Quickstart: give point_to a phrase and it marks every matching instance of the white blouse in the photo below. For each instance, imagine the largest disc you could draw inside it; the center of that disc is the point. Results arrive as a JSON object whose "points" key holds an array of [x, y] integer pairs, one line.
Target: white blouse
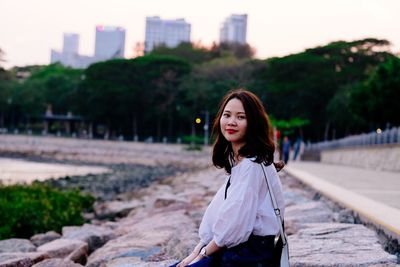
{"points": [[247, 208]]}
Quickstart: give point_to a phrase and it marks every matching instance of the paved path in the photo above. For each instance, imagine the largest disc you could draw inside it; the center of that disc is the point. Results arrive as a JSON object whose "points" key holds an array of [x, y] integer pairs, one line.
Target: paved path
{"points": [[373, 195]]}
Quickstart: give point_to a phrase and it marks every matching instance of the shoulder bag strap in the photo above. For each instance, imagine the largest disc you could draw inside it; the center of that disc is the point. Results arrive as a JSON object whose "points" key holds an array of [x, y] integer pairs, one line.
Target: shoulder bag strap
{"points": [[276, 208]]}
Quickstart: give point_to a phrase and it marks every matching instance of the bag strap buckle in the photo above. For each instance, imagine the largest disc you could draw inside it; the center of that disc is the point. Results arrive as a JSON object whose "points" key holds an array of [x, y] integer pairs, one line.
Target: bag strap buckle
{"points": [[277, 212]]}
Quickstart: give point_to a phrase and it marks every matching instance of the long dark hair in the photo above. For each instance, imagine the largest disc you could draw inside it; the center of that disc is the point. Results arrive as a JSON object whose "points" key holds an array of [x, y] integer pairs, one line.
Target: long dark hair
{"points": [[259, 133]]}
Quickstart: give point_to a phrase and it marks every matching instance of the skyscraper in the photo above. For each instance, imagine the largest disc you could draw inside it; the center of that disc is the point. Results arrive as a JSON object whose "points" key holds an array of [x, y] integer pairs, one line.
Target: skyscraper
{"points": [[71, 43], [233, 29], [69, 56], [165, 32], [110, 42]]}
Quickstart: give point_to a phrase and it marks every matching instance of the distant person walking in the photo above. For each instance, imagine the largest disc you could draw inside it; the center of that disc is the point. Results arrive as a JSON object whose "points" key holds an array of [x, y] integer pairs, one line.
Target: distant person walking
{"points": [[285, 149], [239, 226], [297, 146]]}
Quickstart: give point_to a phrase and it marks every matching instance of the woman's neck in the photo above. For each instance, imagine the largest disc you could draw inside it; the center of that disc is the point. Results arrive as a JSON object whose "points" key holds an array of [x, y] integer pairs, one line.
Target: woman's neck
{"points": [[236, 156]]}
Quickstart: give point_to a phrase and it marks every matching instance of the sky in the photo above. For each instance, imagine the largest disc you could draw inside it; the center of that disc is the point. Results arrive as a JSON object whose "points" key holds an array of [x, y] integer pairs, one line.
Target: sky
{"points": [[29, 29]]}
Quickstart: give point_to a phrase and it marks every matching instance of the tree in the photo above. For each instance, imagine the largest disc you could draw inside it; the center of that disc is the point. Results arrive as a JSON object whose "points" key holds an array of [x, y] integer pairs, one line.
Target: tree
{"points": [[139, 92], [304, 84], [375, 100], [237, 50], [185, 51]]}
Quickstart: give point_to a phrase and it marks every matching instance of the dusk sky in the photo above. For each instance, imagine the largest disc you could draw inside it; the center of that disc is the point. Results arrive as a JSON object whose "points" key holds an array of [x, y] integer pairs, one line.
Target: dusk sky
{"points": [[30, 29]]}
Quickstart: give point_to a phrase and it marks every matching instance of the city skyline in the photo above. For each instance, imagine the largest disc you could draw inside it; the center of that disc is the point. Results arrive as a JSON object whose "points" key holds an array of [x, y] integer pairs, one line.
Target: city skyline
{"points": [[273, 29]]}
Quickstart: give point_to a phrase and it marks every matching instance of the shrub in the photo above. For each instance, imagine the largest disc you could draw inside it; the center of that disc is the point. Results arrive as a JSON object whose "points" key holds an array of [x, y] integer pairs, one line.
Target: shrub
{"points": [[26, 210]]}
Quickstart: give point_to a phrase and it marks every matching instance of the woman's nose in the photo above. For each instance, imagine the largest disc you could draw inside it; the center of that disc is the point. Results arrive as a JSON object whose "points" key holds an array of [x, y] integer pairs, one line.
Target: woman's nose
{"points": [[231, 121]]}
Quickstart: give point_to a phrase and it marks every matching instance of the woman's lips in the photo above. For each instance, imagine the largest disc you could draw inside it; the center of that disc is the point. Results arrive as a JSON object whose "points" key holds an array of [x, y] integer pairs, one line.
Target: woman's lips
{"points": [[230, 131]]}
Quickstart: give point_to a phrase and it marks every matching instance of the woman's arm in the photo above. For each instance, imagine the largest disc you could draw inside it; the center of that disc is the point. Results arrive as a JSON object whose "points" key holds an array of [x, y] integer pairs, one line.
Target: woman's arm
{"points": [[210, 249]]}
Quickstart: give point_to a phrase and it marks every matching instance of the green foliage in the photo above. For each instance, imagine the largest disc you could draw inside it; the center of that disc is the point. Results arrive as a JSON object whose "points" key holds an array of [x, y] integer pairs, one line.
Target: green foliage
{"points": [[336, 88], [292, 123], [193, 139], [193, 142], [185, 51], [314, 84], [136, 94], [53, 85], [375, 101], [239, 51], [28, 210]]}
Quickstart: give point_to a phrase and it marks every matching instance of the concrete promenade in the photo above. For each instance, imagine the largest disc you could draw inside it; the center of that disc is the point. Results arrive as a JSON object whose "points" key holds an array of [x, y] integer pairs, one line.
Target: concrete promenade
{"points": [[373, 195]]}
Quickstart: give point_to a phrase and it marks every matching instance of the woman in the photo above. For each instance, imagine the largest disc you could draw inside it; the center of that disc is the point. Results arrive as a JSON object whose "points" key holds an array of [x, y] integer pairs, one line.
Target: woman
{"points": [[240, 225]]}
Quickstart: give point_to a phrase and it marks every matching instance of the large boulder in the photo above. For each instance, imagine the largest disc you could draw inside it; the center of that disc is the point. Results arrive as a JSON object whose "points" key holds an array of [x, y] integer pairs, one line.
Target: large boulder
{"points": [[95, 236], [116, 208], [20, 259], [137, 262], [41, 239], [309, 212], [16, 245], [57, 263], [337, 245], [66, 248], [143, 237]]}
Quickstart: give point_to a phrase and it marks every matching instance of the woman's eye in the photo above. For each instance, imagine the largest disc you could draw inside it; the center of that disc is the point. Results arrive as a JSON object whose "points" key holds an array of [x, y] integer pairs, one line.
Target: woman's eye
{"points": [[241, 117], [225, 115]]}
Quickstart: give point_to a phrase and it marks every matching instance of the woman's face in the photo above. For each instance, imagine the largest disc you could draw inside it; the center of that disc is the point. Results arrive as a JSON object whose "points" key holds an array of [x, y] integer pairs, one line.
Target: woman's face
{"points": [[234, 122]]}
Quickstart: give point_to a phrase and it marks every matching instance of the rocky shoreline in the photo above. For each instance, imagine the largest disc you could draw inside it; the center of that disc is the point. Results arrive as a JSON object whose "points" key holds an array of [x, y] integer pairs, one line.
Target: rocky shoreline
{"points": [[123, 179], [161, 224], [157, 225]]}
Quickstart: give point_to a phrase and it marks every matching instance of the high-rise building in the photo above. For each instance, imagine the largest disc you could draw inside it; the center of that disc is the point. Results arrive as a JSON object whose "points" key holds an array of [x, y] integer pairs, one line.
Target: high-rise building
{"points": [[233, 29], [110, 42], [165, 32], [69, 56], [71, 43]]}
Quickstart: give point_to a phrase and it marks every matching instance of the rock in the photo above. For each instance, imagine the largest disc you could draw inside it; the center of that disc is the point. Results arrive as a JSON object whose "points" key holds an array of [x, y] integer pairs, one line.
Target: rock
{"points": [[57, 263], [143, 236], [112, 209], [291, 227], [18, 261], [12, 259], [337, 245], [95, 236], [64, 248], [16, 245], [311, 212], [137, 262], [41, 239], [170, 202], [344, 216]]}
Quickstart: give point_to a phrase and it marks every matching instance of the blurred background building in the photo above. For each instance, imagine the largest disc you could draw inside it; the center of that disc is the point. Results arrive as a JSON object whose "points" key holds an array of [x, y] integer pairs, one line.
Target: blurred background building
{"points": [[233, 29], [69, 56], [165, 32], [110, 42]]}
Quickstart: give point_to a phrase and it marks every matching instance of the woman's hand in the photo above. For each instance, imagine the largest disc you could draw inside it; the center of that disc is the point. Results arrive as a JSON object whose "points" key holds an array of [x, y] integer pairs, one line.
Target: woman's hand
{"points": [[198, 257], [186, 261]]}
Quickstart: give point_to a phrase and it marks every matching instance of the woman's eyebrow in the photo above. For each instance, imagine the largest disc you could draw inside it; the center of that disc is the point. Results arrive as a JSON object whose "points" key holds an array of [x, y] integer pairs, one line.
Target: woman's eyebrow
{"points": [[239, 112]]}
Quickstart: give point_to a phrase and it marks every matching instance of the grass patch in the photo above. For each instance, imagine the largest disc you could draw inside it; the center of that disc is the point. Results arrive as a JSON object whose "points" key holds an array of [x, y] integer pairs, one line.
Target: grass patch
{"points": [[26, 210]]}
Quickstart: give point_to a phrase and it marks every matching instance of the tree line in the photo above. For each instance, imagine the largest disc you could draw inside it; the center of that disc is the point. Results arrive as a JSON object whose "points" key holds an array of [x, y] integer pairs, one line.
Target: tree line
{"points": [[322, 93]]}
